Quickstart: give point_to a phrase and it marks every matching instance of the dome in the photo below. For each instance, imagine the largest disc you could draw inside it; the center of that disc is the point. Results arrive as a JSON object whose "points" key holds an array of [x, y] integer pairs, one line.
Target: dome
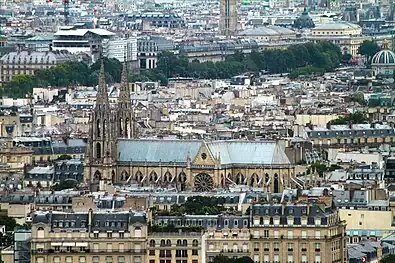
{"points": [[384, 56], [304, 21]]}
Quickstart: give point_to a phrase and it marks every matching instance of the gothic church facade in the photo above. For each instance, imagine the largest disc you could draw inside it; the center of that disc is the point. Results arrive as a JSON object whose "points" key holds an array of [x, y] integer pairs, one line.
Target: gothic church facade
{"points": [[115, 156]]}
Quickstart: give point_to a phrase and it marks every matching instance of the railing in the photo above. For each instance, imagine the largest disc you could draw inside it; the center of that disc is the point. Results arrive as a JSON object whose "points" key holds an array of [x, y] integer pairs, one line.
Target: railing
{"points": [[99, 251], [296, 238]]}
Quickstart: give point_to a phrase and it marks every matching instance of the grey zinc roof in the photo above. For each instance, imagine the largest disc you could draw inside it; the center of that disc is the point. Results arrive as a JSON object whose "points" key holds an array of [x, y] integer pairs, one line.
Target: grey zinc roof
{"points": [[267, 31], [157, 150], [337, 25], [246, 152], [177, 151]]}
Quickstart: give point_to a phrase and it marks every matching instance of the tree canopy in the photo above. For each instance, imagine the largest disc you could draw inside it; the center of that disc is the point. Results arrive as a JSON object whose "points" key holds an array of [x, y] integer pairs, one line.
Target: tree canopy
{"points": [[355, 118], [324, 56], [368, 49], [66, 184], [225, 259], [390, 258], [302, 59], [67, 74]]}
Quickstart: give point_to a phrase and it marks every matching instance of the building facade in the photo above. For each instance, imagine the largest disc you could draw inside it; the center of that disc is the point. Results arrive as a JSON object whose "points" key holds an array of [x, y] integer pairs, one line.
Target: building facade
{"points": [[347, 36], [89, 237], [26, 63], [113, 156]]}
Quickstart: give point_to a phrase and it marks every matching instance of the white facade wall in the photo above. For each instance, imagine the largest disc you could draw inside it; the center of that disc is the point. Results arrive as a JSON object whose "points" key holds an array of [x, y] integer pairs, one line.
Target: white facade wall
{"points": [[116, 48]]}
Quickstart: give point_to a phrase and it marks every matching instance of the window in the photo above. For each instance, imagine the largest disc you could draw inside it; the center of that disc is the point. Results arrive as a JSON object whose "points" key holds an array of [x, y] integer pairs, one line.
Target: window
{"points": [[108, 259], [152, 252], [290, 246], [121, 259], [69, 259], [317, 234], [195, 243], [194, 252], [121, 247], [109, 234], [317, 246], [265, 233], [82, 260], [121, 235], [95, 247], [304, 234], [290, 234], [96, 235]]}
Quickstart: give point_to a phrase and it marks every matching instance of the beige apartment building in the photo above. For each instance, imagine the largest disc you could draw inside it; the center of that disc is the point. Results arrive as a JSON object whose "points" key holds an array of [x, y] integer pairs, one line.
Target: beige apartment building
{"points": [[268, 233], [346, 35], [88, 237]]}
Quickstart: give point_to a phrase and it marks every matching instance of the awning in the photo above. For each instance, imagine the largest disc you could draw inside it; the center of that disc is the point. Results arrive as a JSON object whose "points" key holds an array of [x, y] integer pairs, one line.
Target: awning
{"points": [[81, 244], [54, 244], [68, 244]]}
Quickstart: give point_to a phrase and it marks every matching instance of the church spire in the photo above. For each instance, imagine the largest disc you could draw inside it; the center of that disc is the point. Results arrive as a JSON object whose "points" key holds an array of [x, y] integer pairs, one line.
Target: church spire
{"points": [[124, 93], [102, 95]]}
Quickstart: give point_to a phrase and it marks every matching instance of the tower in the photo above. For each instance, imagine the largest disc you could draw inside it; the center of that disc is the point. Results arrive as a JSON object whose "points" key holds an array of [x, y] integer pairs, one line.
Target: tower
{"points": [[228, 18], [101, 150], [125, 113]]}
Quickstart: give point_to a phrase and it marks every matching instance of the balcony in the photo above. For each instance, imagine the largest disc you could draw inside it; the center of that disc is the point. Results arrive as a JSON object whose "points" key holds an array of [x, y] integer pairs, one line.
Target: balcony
{"points": [[100, 251]]}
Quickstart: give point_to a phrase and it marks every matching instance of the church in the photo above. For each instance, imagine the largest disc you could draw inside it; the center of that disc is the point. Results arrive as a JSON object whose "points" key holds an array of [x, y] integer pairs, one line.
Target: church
{"points": [[114, 155]]}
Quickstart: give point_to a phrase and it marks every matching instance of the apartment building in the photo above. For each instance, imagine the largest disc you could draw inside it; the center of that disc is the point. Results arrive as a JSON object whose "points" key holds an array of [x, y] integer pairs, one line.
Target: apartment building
{"points": [[26, 62], [349, 136], [297, 233], [266, 233], [89, 237]]}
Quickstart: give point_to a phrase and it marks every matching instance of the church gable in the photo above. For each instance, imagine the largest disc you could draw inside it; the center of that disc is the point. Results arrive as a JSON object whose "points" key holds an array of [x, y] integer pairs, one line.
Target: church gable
{"points": [[204, 156]]}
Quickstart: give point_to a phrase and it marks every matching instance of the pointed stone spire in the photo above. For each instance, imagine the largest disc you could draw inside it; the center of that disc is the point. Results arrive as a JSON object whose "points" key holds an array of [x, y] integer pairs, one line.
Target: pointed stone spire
{"points": [[102, 95], [124, 93]]}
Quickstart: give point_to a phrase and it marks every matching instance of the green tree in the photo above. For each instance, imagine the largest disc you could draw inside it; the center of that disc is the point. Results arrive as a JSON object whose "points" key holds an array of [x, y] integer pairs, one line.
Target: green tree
{"points": [[225, 259], [65, 184], [355, 118], [64, 157], [368, 49], [390, 258], [346, 57], [8, 222]]}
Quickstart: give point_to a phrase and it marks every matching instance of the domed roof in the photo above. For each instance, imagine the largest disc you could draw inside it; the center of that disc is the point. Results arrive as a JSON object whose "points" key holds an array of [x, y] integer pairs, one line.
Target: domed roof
{"points": [[384, 56], [304, 21]]}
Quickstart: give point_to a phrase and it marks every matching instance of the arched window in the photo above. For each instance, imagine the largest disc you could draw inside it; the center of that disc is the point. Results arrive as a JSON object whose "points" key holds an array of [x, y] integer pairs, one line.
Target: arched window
{"points": [[98, 128], [98, 150], [121, 126], [167, 177], [168, 243], [152, 243], [195, 243], [162, 243], [276, 187], [104, 128], [127, 130], [179, 243], [137, 232], [185, 243], [40, 232]]}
